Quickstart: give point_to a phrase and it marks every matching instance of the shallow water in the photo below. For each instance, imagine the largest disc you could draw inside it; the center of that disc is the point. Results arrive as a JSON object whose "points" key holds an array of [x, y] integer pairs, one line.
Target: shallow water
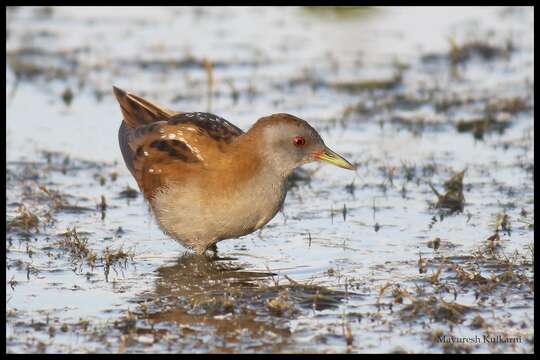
{"points": [[410, 95]]}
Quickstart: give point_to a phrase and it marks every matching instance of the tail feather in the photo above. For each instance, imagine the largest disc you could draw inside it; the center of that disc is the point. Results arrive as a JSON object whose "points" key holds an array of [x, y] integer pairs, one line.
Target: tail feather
{"points": [[138, 111]]}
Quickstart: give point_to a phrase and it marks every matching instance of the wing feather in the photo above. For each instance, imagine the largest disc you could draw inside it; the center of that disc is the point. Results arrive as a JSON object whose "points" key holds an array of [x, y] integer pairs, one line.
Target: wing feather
{"points": [[170, 150]]}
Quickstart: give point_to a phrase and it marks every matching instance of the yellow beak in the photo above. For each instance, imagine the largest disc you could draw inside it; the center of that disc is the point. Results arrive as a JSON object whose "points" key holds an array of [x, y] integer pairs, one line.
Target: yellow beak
{"points": [[333, 158]]}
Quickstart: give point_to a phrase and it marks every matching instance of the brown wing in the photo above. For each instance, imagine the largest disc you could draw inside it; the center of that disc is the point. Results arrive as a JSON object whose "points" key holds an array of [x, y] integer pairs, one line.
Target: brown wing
{"points": [[161, 145], [215, 127], [182, 146], [137, 112]]}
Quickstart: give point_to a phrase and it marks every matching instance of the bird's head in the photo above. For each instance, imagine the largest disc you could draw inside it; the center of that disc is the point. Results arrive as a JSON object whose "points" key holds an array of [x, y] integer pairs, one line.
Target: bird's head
{"points": [[287, 142]]}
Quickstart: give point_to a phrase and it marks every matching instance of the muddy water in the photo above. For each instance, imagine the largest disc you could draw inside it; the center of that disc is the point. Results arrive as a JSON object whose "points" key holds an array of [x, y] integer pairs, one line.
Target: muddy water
{"points": [[372, 261]]}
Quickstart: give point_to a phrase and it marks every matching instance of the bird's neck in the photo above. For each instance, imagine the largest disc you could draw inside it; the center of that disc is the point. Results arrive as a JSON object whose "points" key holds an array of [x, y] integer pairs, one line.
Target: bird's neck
{"points": [[254, 147]]}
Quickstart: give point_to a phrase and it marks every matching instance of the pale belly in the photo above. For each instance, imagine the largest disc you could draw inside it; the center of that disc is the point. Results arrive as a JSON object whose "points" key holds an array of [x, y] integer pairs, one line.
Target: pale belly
{"points": [[182, 214]]}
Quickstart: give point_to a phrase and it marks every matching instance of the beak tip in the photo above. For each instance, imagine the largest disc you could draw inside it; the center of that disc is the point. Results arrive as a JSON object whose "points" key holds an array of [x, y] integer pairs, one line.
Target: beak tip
{"points": [[349, 166]]}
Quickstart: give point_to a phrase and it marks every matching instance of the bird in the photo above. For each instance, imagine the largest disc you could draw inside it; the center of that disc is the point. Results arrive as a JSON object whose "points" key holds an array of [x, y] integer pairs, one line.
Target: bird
{"points": [[205, 179]]}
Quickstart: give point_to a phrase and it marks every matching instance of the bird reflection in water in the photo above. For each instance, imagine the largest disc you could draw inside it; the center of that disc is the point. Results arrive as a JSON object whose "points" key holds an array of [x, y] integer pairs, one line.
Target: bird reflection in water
{"points": [[220, 298]]}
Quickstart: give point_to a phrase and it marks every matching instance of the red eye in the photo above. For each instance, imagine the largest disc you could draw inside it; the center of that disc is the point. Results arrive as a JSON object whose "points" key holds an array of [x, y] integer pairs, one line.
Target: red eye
{"points": [[299, 141]]}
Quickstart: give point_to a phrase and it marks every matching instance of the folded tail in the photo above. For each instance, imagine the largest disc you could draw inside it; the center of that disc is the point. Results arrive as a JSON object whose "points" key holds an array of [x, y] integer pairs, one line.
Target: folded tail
{"points": [[138, 111]]}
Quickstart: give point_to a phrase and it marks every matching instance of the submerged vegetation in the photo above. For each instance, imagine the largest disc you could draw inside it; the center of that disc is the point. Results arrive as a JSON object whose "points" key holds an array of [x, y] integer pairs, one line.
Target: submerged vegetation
{"points": [[453, 200]]}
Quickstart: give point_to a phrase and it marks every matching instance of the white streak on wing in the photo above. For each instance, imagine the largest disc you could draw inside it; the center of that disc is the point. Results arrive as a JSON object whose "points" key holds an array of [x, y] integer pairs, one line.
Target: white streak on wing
{"points": [[193, 149]]}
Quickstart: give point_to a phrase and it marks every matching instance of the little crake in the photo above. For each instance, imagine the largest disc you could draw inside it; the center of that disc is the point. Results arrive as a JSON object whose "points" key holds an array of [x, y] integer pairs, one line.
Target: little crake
{"points": [[204, 178]]}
